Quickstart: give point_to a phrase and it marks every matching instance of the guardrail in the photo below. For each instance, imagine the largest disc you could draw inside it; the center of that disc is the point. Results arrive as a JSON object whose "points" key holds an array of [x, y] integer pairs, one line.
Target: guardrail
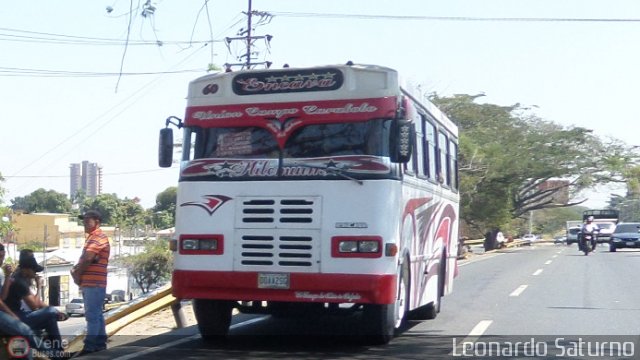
{"points": [[464, 250], [473, 242], [515, 242]]}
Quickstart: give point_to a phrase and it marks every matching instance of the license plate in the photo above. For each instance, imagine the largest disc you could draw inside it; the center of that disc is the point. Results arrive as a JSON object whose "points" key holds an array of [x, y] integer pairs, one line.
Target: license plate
{"points": [[273, 281], [630, 243]]}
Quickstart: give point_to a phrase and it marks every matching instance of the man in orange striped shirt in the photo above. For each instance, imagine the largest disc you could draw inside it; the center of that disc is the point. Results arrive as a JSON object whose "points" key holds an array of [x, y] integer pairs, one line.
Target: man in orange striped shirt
{"points": [[90, 273]]}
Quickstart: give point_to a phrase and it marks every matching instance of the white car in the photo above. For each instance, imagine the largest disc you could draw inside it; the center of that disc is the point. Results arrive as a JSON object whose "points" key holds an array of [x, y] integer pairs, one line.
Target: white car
{"points": [[530, 237], [75, 307], [605, 230]]}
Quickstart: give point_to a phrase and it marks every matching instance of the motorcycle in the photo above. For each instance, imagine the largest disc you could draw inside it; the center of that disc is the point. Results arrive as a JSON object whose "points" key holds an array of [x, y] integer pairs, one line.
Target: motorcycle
{"points": [[588, 242]]}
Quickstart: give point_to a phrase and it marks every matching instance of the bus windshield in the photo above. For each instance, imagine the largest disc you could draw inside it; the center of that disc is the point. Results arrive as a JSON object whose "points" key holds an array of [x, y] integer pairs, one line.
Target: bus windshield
{"points": [[314, 140]]}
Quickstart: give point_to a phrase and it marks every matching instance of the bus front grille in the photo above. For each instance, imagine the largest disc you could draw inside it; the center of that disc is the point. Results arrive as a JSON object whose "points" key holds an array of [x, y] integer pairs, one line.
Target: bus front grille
{"points": [[278, 212], [271, 251]]}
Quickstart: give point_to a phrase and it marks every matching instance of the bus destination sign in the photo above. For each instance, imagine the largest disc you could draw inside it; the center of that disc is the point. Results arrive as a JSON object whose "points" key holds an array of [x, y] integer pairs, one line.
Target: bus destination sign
{"points": [[287, 81]]}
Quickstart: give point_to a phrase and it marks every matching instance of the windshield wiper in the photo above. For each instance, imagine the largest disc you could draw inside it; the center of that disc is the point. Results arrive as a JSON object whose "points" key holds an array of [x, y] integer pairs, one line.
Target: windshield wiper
{"points": [[333, 170]]}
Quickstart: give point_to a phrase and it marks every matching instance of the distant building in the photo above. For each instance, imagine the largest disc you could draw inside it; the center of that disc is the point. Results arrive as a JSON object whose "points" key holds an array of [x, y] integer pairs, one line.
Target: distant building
{"points": [[55, 230], [87, 177]]}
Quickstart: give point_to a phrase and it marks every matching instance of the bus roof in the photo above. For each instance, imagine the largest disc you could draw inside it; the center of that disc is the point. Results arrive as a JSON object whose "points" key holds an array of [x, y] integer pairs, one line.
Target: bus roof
{"points": [[301, 85]]}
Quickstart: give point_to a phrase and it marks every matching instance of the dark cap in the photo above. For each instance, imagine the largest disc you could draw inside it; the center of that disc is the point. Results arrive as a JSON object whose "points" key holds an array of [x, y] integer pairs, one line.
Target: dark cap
{"points": [[91, 214], [28, 261]]}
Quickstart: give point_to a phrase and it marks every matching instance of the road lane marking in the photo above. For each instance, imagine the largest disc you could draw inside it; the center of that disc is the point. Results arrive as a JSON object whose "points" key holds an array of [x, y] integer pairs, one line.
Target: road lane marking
{"points": [[480, 328], [184, 340], [555, 256], [519, 290], [548, 262], [537, 272], [472, 337], [477, 258]]}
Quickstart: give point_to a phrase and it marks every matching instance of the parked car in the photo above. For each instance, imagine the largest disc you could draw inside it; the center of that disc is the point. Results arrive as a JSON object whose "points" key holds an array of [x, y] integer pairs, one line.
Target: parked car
{"points": [[118, 296], [530, 237], [75, 307], [560, 239], [626, 235]]}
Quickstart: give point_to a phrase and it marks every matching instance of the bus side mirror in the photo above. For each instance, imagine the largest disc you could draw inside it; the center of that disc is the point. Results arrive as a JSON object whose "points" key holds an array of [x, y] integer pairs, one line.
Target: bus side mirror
{"points": [[165, 148], [401, 141]]}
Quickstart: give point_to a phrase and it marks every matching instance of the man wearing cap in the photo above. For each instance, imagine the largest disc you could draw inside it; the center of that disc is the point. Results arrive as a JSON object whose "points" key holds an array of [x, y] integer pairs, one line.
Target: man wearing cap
{"points": [[90, 273]]}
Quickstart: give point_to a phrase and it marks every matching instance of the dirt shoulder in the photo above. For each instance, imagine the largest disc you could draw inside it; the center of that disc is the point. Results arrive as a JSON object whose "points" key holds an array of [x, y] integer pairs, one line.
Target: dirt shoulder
{"points": [[158, 323]]}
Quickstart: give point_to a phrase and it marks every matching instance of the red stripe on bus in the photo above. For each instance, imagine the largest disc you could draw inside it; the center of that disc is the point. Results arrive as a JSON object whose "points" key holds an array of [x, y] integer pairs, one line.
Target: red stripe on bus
{"points": [[243, 286]]}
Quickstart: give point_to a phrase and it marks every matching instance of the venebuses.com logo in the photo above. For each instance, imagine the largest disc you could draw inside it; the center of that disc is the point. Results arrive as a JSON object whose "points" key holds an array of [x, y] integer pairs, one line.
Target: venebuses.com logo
{"points": [[18, 347]]}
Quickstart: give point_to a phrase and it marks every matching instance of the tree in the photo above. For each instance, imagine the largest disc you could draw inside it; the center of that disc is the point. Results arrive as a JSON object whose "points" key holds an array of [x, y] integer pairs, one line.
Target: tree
{"points": [[629, 204], [166, 200], [506, 155], [6, 227], [42, 200], [79, 197], [151, 267], [163, 214], [159, 219], [107, 204], [127, 214], [132, 214]]}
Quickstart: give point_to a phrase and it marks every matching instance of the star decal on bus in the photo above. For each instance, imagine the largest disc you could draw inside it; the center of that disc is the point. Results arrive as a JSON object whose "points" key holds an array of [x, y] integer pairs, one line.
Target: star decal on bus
{"points": [[210, 203], [335, 165]]}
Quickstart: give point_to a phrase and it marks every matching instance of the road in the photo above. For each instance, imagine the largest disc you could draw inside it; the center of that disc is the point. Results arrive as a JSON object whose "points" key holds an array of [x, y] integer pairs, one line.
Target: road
{"points": [[72, 326], [549, 295]]}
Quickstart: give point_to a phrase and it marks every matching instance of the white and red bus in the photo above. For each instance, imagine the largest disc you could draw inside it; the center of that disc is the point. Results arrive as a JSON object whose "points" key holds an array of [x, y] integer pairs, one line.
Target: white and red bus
{"points": [[324, 188]]}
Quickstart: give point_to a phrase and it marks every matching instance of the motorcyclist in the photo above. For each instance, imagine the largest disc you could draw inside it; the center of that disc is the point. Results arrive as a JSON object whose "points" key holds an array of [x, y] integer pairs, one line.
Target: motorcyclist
{"points": [[588, 228]]}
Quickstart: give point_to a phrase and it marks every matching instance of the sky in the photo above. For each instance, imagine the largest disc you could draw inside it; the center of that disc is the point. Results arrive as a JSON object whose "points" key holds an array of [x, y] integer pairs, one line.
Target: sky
{"points": [[62, 100]]}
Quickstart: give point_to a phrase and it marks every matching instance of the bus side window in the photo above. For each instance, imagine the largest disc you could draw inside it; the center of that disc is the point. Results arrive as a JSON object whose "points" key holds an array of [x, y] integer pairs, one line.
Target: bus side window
{"points": [[430, 150], [453, 154], [444, 173], [411, 167]]}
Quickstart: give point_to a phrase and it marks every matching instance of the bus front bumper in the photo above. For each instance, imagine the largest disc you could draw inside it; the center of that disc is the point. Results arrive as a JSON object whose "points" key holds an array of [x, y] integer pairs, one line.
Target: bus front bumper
{"points": [[300, 287]]}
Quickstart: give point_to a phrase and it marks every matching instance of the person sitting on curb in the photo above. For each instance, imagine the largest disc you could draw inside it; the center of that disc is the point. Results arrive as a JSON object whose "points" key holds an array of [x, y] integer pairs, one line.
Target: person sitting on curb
{"points": [[17, 289], [10, 324]]}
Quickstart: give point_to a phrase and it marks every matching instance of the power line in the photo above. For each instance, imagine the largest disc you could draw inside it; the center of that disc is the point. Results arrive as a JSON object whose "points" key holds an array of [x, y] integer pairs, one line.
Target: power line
{"points": [[11, 71], [452, 18], [130, 101], [83, 40], [126, 44], [104, 174]]}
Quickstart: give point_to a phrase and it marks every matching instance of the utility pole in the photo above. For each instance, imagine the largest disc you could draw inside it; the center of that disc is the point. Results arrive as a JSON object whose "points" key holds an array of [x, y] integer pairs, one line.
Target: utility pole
{"points": [[44, 262], [247, 36], [249, 42]]}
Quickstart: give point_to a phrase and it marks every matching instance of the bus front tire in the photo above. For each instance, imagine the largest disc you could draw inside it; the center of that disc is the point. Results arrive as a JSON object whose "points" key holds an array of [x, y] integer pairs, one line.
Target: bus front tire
{"points": [[380, 321], [214, 318]]}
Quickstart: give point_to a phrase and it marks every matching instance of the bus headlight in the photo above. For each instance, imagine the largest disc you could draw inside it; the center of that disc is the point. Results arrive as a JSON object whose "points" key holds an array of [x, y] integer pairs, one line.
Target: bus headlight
{"points": [[349, 246], [368, 246], [201, 244], [190, 244], [362, 246], [209, 244]]}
